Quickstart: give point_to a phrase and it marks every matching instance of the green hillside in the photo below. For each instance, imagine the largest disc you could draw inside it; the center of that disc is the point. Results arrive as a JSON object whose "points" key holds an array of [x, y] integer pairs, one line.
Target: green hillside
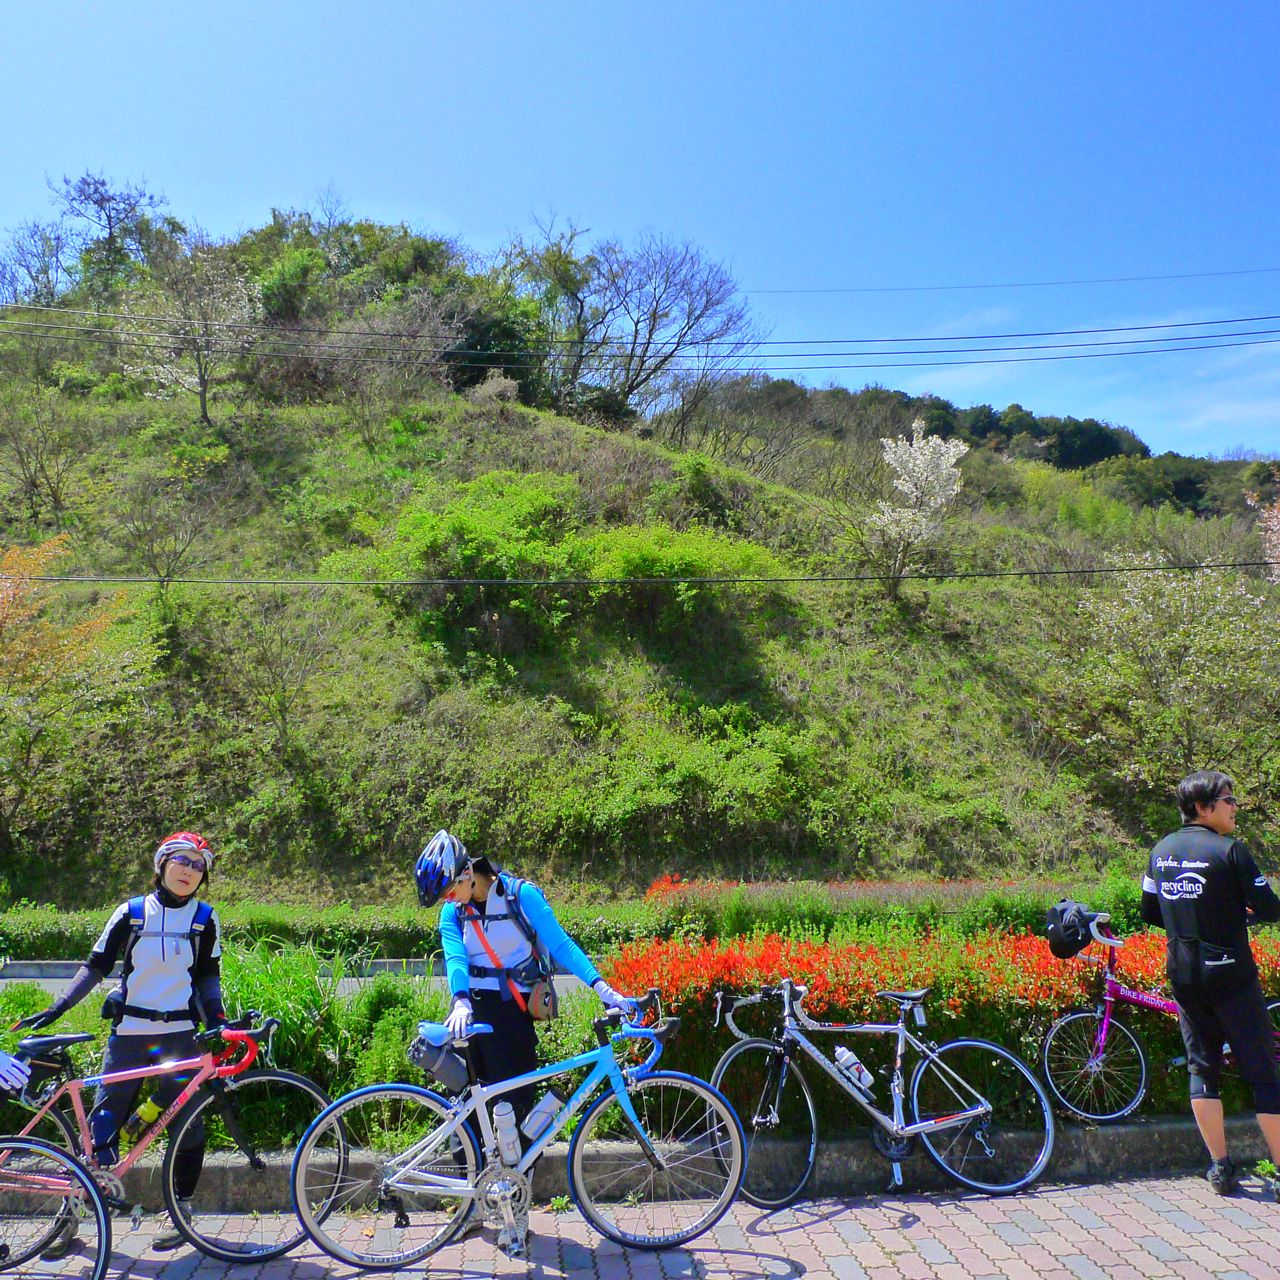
{"points": [[601, 732], [331, 403]]}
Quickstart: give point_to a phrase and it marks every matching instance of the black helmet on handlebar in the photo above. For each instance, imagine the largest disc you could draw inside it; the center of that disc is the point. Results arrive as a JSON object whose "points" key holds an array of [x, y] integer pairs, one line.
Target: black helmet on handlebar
{"points": [[1068, 929]]}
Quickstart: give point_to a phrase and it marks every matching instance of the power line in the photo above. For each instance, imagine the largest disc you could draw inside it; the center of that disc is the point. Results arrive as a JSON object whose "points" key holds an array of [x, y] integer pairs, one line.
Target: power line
{"points": [[156, 343], [776, 580], [265, 327], [33, 328], [1025, 284]]}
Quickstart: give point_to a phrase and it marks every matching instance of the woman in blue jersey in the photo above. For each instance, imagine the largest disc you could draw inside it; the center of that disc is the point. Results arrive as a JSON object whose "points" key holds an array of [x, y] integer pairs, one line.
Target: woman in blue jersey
{"points": [[169, 943], [490, 960]]}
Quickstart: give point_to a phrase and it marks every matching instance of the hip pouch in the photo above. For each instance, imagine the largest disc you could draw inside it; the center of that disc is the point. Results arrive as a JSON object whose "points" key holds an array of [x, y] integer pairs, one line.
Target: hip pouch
{"points": [[1205, 965], [542, 1001]]}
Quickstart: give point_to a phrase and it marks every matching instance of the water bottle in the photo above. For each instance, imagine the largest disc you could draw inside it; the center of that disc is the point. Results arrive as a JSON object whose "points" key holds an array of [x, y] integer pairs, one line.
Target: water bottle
{"points": [[853, 1070], [540, 1116], [145, 1116], [504, 1121]]}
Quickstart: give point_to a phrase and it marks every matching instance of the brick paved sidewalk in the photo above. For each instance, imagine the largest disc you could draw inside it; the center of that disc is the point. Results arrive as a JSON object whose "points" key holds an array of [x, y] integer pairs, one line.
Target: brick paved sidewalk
{"points": [[1124, 1231]]}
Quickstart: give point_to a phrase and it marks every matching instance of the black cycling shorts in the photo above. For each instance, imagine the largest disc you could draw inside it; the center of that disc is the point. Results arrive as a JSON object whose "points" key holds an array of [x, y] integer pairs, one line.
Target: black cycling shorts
{"points": [[1238, 1018]]}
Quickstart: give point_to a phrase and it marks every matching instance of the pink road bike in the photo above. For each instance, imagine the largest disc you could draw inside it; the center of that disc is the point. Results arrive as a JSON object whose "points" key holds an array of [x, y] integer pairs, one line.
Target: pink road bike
{"points": [[1093, 1064], [252, 1121]]}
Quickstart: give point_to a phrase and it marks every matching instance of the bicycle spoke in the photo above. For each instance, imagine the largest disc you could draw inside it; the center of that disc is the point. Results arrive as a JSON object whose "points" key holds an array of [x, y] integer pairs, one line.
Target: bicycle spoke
{"points": [[1099, 1084], [352, 1178], [697, 1143], [778, 1117], [235, 1202], [999, 1151], [49, 1204]]}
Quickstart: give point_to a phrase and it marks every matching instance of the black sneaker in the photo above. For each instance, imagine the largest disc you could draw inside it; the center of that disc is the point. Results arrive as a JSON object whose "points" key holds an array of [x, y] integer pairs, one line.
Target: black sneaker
{"points": [[1223, 1177]]}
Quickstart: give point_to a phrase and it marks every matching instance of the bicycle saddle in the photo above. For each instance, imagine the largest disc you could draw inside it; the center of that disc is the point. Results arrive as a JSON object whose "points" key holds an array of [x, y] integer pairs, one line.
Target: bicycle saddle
{"points": [[905, 997], [438, 1035], [33, 1045]]}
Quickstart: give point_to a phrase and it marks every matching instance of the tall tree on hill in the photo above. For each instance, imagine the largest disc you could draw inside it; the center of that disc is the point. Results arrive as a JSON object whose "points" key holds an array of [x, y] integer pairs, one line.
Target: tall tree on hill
{"points": [[124, 231], [631, 329]]}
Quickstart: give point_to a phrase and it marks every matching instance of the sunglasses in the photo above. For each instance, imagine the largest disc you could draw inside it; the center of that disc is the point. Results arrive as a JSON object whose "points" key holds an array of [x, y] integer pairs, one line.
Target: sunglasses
{"points": [[196, 864], [1231, 800]]}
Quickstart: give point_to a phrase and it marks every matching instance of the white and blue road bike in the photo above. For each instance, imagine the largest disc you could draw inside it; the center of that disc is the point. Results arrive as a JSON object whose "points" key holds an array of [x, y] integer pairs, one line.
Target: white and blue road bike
{"points": [[388, 1174]]}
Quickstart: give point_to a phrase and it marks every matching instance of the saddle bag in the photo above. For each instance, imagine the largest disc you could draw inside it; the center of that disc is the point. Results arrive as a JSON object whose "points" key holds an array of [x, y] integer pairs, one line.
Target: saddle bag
{"points": [[442, 1064]]}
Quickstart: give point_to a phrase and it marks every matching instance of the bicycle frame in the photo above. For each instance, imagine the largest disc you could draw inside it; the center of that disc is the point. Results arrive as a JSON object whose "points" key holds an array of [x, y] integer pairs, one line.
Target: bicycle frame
{"points": [[794, 1018], [207, 1066], [604, 1068], [1115, 992]]}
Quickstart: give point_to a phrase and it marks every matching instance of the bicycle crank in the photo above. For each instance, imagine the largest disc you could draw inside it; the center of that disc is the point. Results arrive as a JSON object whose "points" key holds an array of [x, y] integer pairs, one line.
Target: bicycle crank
{"points": [[504, 1196]]}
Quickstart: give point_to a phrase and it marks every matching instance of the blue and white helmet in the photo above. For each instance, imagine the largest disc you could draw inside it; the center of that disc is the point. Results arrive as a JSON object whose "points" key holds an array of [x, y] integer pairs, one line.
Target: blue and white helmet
{"points": [[439, 866]]}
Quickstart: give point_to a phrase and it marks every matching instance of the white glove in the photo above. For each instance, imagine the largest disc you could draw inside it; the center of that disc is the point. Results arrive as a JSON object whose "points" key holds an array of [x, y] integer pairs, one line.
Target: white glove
{"points": [[612, 999], [459, 1019], [13, 1073]]}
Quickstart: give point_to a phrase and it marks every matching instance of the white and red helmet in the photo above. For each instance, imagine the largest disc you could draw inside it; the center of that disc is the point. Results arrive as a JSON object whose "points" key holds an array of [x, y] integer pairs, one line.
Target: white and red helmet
{"points": [[184, 842]]}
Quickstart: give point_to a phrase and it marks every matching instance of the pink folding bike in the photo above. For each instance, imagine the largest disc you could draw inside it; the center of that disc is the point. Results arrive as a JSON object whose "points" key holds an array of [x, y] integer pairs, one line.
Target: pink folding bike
{"points": [[252, 1120], [1093, 1064]]}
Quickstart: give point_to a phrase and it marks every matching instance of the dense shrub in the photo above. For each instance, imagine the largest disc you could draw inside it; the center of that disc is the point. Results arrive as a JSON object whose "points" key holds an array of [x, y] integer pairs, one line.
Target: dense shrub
{"points": [[672, 908], [1004, 986]]}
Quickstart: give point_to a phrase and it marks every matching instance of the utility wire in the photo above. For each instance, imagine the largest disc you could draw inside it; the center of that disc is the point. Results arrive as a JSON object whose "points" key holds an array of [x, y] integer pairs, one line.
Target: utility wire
{"points": [[278, 339], [1027, 284], [96, 579], [157, 344], [265, 327]]}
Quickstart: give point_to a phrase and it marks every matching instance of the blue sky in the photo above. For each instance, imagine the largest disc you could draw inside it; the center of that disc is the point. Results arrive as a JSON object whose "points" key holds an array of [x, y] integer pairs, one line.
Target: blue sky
{"points": [[808, 146]]}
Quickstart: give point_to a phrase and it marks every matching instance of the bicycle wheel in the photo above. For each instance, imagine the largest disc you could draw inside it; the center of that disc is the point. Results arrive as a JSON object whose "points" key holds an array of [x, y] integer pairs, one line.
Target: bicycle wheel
{"points": [[360, 1177], [239, 1209], [697, 1150], [1002, 1151], [1102, 1086], [40, 1185], [779, 1120]]}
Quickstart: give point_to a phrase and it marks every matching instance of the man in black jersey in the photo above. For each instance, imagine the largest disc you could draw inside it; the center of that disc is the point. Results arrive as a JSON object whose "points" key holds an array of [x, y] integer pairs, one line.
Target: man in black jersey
{"points": [[1204, 889]]}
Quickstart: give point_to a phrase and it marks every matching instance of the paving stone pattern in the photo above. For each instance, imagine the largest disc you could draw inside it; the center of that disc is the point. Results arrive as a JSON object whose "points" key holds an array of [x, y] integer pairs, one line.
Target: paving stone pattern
{"points": [[1122, 1231]]}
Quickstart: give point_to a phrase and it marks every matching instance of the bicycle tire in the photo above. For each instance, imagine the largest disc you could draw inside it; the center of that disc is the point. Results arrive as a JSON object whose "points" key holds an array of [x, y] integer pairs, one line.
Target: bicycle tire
{"points": [[1015, 1139], [691, 1126], [776, 1110], [345, 1157], [241, 1209], [1103, 1088], [31, 1171]]}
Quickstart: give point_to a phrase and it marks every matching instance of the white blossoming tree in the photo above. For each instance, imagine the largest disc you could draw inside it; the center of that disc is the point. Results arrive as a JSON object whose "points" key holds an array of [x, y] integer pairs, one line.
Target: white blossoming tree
{"points": [[1269, 528], [1182, 672], [192, 320], [897, 533]]}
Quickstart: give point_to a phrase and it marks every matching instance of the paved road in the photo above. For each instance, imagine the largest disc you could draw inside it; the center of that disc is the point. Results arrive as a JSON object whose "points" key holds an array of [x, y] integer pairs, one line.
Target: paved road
{"points": [[565, 984], [1125, 1231]]}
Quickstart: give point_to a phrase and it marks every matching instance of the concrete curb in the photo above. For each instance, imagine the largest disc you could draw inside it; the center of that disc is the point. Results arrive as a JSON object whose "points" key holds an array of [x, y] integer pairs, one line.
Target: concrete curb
{"points": [[845, 1168]]}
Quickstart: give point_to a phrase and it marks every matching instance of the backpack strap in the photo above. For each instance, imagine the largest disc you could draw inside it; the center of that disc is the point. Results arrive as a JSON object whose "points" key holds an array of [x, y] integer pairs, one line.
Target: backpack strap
{"points": [[521, 1004], [137, 918]]}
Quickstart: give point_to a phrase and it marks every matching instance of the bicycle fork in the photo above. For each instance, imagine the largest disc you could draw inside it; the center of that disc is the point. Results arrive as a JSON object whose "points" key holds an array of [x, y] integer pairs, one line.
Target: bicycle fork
{"points": [[651, 1153]]}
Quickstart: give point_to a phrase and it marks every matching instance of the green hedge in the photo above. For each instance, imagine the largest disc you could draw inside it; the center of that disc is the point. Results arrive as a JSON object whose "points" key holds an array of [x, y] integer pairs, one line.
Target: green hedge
{"points": [[804, 909]]}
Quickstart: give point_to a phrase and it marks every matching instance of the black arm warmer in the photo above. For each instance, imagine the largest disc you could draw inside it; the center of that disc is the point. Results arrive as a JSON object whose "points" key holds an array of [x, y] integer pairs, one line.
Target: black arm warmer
{"points": [[85, 980]]}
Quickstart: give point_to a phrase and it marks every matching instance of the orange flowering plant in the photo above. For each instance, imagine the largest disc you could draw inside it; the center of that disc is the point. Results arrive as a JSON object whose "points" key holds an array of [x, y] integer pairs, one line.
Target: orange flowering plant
{"points": [[1002, 985]]}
